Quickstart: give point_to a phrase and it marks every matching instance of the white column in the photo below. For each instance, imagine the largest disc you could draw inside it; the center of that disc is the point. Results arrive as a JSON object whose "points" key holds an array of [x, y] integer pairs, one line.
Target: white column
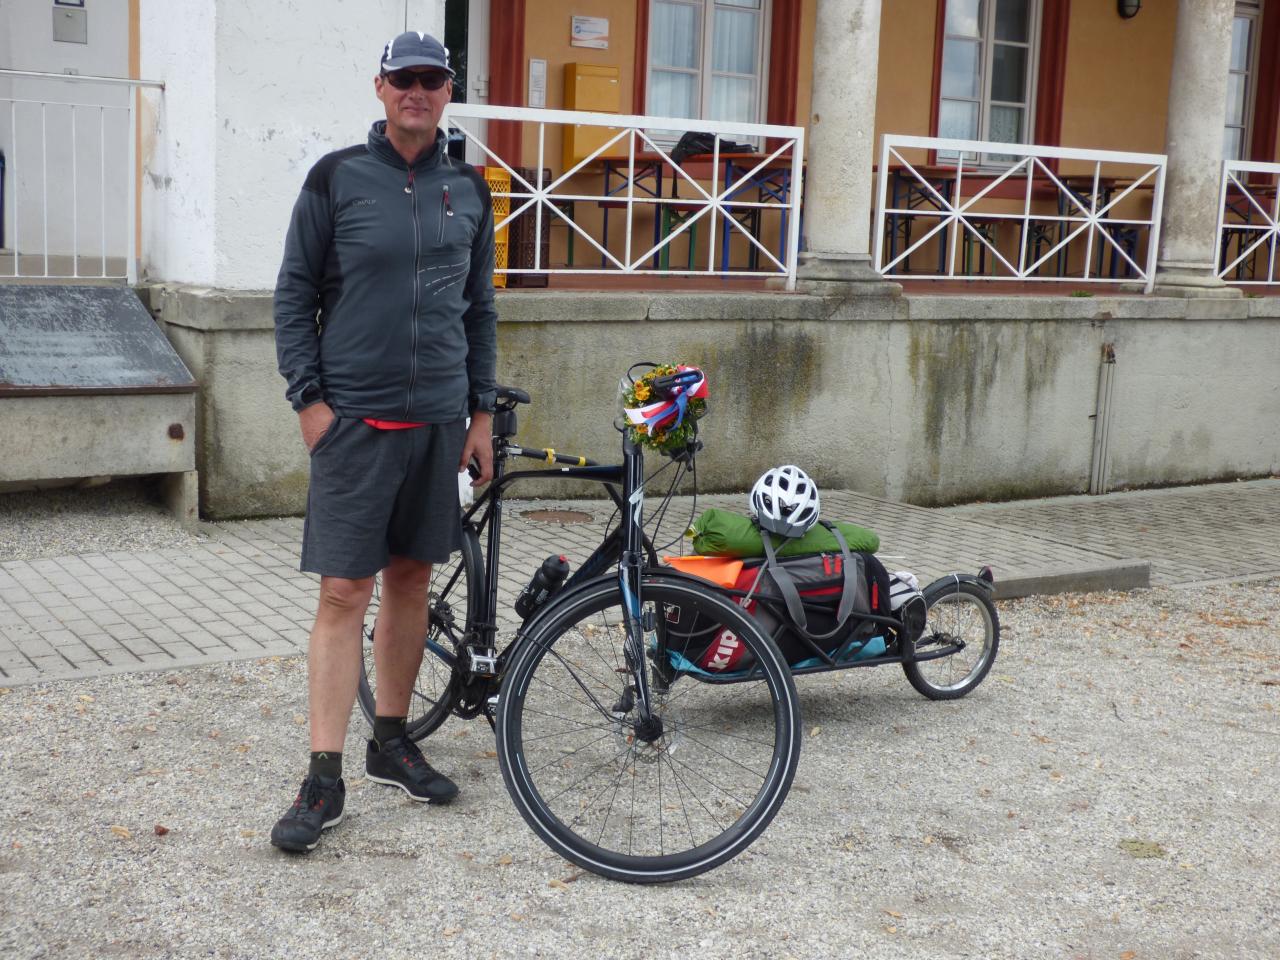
{"points": [[255, 93], [838, 179], [1193, 141]]}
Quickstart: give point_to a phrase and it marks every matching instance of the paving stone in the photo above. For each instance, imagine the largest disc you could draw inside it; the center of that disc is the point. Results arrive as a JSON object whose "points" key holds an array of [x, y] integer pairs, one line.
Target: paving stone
{"points": [[240, 593]]}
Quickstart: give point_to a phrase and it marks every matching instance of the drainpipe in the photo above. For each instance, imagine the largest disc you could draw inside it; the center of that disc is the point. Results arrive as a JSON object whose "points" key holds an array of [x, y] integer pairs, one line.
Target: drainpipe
{"points": [[1102, 421]]}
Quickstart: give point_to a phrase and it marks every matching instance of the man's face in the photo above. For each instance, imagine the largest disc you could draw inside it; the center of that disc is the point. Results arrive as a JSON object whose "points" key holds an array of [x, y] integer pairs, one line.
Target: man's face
{"points": [[414, 111]]}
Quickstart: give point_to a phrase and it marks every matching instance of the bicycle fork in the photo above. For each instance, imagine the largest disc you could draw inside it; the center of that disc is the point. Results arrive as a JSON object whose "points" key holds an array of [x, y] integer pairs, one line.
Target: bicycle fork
{"points": [[648, 726]]}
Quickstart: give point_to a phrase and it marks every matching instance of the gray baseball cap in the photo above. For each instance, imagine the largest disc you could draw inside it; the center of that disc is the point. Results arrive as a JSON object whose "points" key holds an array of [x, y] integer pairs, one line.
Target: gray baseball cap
{"points": [[415, 49]]}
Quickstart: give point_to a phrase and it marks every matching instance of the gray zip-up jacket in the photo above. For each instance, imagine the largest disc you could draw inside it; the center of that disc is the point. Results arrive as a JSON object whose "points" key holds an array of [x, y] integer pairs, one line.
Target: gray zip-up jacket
{"points": [[384, 303]]}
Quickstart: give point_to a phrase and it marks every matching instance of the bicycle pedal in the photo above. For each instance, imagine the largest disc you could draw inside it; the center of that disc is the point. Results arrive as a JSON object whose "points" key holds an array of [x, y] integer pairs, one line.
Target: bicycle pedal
{"points": [[484, 664]]}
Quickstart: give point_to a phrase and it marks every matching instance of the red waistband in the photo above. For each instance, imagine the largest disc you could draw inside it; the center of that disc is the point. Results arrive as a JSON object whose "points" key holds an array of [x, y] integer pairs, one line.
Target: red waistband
{"points": [[391, 424]]}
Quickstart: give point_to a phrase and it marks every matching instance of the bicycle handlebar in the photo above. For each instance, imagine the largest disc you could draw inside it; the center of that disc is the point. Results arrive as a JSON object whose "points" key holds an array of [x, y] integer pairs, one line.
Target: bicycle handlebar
{"points": [[548, 455], [663, 386]]}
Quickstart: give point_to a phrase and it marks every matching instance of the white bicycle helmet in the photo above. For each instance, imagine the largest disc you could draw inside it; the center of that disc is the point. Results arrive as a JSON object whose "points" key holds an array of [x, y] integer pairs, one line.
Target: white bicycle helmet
{"points": [[785, 501]]}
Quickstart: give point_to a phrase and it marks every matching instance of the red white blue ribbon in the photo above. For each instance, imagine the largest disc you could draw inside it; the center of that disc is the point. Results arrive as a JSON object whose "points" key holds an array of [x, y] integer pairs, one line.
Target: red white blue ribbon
{"points": [[654, 415]]}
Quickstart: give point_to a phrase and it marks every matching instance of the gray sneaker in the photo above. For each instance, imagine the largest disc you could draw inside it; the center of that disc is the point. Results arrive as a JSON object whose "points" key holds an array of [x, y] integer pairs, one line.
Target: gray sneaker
{"points": [[400, 763], [317, 807]]}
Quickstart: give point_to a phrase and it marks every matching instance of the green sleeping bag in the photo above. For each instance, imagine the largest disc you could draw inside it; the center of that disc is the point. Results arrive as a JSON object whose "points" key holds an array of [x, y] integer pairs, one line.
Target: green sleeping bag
{"points": [[721, 533]]}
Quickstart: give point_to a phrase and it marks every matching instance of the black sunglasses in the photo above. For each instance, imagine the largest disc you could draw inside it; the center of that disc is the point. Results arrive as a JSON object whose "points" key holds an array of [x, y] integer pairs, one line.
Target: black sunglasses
{"points": [[430, 79]]}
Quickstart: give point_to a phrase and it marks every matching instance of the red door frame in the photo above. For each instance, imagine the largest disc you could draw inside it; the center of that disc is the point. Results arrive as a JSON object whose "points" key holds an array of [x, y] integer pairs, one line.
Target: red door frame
{"points": [[1266, 102], [506, 75]]}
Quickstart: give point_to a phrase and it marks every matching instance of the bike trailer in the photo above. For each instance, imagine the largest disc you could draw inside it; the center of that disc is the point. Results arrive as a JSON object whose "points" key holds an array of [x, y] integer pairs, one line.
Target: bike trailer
{"points": [[816, 608]]}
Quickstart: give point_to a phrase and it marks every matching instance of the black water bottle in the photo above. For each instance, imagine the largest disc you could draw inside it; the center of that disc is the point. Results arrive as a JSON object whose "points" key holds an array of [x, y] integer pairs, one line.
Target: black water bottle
{"points": [[544, 583]]}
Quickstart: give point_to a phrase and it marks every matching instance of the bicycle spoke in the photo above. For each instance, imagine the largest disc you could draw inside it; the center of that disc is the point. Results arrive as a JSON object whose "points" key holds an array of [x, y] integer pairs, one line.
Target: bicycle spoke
{"points": [[563, 757], [693, 793], [724, 756], [700, 776], [601, 766], [617, 784]]}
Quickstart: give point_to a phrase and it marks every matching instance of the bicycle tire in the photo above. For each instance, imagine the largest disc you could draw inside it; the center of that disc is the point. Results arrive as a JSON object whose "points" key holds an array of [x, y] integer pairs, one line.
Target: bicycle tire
{"points": [[576, 647], [957, 611], [455, 586]]}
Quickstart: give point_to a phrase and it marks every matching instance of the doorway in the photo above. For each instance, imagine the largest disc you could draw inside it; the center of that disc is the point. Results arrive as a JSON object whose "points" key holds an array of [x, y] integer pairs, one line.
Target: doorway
{"points": [[466, 35]]}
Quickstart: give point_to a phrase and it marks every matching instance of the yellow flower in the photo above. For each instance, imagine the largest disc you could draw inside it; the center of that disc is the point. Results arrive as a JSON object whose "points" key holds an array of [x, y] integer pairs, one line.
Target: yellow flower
{"points": [[642, 428], [643, 392]]}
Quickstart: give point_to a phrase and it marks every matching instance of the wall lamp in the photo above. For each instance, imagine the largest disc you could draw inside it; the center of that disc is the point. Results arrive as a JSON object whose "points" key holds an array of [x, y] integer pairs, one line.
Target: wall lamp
{"points": [[1128, 9]]}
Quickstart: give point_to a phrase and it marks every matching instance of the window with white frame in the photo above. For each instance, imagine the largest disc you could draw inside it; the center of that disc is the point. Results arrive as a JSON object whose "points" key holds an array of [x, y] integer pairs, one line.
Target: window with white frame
{"points": [[988, 71], [1240, 80], [707, 59]]}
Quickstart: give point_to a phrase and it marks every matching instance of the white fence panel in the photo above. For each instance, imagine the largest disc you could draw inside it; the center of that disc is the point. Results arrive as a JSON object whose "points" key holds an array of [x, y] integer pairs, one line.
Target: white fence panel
{"points": [[1248, 222], [70, 176], [928, 212], [750, 200]]}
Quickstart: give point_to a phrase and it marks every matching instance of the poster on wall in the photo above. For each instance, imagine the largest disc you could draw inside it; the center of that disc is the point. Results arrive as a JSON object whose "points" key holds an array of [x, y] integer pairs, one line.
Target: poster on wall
{"points": [[590, 32]]}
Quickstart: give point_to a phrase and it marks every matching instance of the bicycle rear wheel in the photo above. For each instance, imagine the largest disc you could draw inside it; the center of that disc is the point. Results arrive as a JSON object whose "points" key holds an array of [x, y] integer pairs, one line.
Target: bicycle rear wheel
{"points": [[453, 603], [635, 803]]}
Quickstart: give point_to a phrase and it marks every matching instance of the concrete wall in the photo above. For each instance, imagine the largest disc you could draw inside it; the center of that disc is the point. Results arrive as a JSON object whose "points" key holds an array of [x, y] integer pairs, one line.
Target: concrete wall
{"points": [[51, 438], [928, 399], [255, 94], [40, 165]]}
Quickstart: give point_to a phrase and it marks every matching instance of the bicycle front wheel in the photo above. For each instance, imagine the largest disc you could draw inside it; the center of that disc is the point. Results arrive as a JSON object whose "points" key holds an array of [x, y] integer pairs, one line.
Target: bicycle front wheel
{"points": [[644, 803], [453, 602]]}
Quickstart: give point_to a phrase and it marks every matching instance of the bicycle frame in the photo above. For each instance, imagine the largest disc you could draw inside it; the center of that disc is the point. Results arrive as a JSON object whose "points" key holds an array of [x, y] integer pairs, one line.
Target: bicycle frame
{"points": [[625, 485]]}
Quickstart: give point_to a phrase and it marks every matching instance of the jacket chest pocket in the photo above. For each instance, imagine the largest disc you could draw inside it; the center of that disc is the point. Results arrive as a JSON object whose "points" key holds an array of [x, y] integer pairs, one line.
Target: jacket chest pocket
{"points": [[449, 227]]}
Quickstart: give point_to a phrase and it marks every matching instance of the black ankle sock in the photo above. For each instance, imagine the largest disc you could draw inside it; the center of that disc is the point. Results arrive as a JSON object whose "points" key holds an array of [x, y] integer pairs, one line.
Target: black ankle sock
{"points": [[325, 763], [388, 728]]}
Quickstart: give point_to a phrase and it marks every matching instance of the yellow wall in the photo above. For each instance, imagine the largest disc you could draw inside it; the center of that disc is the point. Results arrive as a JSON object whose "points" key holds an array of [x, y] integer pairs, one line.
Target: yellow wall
{"points": [[546, 37], [1116, 84], [1117, 81], [906, 68]]}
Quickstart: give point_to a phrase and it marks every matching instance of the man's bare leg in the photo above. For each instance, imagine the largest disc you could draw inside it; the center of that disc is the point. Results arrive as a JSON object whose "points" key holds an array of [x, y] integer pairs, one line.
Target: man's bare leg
{"points": [[333, 658], [398, 642], [400, 633]]}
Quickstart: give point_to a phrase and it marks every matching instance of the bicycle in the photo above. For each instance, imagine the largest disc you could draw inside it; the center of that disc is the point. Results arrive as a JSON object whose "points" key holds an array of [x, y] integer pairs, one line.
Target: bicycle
{"points": [[621, 765]]}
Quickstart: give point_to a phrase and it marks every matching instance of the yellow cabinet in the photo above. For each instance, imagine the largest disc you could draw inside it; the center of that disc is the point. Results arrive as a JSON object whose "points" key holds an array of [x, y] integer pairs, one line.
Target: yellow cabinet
{"points": [[593, 88]]}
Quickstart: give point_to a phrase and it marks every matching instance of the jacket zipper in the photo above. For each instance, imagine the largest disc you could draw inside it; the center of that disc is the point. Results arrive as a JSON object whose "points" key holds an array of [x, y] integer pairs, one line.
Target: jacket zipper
{"points": [[445, 211], [413, 317]]}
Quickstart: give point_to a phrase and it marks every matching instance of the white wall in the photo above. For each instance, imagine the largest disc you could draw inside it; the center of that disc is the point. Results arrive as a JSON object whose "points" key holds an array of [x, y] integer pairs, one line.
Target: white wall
{"points": [[255, 94], [40, 166]]}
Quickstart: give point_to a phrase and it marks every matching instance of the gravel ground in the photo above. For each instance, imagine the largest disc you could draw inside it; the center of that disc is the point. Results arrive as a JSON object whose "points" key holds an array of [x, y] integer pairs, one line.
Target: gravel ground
{"points": [[1111, 791], [121, 515]]}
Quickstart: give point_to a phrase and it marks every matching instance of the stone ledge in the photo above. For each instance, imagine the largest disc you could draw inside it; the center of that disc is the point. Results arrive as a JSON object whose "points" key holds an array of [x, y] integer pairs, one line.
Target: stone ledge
{"points": [[1117, 575], [204, 308]]}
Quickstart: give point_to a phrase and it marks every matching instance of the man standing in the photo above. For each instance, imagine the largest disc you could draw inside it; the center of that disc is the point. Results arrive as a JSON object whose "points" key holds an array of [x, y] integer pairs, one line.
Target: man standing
{"points": [[386, 333]]}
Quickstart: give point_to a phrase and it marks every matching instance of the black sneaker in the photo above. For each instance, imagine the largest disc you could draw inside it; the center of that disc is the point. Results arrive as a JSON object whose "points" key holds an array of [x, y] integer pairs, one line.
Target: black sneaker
{"points": [[317, 808], [400, 763]]}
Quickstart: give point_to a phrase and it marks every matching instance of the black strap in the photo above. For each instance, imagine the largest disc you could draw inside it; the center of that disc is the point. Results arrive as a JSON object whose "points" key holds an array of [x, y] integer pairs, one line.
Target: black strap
{"points": [[791, 594], [849, 594], [786, 584]]}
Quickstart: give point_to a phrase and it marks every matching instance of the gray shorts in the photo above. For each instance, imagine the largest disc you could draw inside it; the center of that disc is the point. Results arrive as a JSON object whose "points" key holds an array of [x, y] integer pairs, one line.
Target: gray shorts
{"points": [[375, 494]]}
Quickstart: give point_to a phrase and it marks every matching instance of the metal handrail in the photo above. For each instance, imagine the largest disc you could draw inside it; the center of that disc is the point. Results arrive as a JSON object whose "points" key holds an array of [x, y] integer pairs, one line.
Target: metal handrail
{"points": [[125, 81]]}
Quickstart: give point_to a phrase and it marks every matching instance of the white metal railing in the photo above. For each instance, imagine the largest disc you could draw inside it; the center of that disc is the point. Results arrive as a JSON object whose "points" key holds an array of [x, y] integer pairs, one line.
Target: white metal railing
{"points": [[768, 181], [1248, 222], [51, 148], [1085, 208]]}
